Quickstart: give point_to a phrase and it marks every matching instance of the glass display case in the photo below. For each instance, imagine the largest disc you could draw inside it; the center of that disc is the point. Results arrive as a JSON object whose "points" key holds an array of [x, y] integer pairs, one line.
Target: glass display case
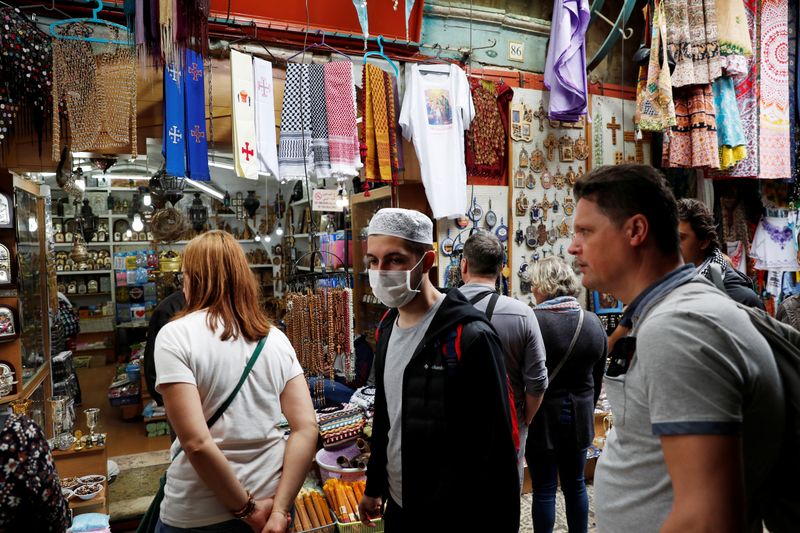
{"points": [[32, 284]]}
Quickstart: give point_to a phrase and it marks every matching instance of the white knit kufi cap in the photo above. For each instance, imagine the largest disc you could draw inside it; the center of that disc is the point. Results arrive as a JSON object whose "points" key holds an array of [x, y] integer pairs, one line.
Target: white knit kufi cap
{"points": [[403, 223]]}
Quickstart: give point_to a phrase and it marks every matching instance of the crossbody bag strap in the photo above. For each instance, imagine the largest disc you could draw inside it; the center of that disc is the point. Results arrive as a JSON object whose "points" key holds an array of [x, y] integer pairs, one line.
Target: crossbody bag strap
{"points": [[250, 363], [555, 371]]}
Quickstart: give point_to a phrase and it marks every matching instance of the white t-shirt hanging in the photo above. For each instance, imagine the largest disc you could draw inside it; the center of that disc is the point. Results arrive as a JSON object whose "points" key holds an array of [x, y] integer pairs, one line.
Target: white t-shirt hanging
{"points": [[437, 109]]}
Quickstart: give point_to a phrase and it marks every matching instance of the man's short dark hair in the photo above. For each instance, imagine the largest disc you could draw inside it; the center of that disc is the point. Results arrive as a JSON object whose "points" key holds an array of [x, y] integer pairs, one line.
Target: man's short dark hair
{"points": [[484, 254], [622, 191], [697, 215], [417, 248]]}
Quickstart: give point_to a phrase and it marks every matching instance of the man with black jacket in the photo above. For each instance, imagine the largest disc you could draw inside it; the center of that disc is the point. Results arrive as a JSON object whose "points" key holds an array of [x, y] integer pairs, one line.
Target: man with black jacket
{"points": [[163, 313], [443, 440]]}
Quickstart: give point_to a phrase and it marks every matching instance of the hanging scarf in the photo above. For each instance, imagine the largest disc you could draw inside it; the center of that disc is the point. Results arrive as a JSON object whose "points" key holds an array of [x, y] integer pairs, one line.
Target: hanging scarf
{"points": [[379, 156], [774, 90], [294, 152], [391, 117], [319, 122], [244, 120], [561, 304], [174, 147], [715, 258], [340, 105], [196, 140], [265, 117]]}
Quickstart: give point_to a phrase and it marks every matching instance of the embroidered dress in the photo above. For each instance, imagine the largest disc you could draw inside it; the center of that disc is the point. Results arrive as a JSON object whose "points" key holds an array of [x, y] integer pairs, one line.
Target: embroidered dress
{"points": [[735, 45], [693, 141], [485, 146], [692, 39], [774, 246], [730, 132]]}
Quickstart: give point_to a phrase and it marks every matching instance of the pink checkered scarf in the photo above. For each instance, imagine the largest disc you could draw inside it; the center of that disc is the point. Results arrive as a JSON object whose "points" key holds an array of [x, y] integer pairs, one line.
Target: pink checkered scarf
{"points": [[340, 102]]}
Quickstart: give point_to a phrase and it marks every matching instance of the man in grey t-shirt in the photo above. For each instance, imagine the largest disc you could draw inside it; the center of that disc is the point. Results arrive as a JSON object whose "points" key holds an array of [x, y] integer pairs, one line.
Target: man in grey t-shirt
{"points": [[695, 391], [515, 324]]}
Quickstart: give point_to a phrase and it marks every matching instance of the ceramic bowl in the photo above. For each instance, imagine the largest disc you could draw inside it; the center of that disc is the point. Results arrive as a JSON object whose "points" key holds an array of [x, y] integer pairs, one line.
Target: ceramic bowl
{"points": [[87, 492], [70, 482], [67, 493], [92, 479]]}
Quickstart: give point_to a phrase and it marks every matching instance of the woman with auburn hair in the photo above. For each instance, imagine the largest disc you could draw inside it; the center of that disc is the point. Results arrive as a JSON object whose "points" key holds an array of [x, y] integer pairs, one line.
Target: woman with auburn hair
{"points": [[236, 472]]}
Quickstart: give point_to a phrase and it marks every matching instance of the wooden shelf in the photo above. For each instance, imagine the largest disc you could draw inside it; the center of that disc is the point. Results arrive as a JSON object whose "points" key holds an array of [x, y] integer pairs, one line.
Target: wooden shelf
{"points": [[161, 418], [261, 266], [68, 245], [88, 295], [82, 272], [98, 501]]}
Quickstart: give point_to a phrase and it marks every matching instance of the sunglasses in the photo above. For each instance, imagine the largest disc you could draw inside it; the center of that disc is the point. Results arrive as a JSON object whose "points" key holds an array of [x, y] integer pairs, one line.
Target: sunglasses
{"points": [[621, 356]]}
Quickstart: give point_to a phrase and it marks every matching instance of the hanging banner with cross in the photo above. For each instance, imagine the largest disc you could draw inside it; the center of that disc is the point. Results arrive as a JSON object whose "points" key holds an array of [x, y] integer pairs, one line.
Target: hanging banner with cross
{"points": [[245, 157], [265, 117], [174, 149], [185, 146], [196, 139]]}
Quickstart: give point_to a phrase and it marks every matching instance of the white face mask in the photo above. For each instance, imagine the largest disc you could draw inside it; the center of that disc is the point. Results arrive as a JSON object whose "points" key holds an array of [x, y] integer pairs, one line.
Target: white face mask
{"points": [[393, 287]]}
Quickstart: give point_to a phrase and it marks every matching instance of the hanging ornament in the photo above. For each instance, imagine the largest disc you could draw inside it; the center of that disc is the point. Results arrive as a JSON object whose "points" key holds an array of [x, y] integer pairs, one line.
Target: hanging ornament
{"points": [[361, 10], [491, 217], [447, 245], [502, 232]]}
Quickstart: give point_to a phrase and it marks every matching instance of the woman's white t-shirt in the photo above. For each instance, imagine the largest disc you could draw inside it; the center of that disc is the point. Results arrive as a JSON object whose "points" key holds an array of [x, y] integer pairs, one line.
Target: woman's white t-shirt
{"points": [[187, 351]]}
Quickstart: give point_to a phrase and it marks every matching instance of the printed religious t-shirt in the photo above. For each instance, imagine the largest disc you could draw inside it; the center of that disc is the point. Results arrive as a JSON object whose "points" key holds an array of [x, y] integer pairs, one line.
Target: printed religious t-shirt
{"points": [[437, 109]]}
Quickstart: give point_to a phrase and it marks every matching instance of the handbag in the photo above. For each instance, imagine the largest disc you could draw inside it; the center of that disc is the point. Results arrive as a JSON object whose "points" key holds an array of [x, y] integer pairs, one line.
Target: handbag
{"points": [[552, 375], [151, 516]]}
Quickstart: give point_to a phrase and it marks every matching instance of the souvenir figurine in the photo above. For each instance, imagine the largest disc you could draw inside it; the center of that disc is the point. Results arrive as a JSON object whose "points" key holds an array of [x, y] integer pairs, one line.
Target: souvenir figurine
{"points": [[547, 180], [580, 149], [537, 162], [519, 179], [569, 206], [550, 144], [8, 323], [522, 204], [524, 159], [530, 183], [566, 149], [570, 176], [558, 179]]}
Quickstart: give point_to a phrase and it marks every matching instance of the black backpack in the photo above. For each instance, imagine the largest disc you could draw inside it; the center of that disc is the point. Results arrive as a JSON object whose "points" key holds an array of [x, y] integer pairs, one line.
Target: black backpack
{"points": [[779, 496]]}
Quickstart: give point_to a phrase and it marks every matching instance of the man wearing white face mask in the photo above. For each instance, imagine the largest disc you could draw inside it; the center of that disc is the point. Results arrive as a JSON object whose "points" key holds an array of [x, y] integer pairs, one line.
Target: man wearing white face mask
{"points": [[443, 436]]}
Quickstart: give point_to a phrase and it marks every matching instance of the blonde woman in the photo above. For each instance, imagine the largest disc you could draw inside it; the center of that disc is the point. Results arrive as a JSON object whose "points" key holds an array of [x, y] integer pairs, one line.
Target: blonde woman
{"points": [[563, 428], [239, 474]]}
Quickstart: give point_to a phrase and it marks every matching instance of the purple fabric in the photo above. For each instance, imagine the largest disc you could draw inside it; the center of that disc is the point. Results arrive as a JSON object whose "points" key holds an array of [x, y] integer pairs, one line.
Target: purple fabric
{"points": [[139, 21], [565, 67]]}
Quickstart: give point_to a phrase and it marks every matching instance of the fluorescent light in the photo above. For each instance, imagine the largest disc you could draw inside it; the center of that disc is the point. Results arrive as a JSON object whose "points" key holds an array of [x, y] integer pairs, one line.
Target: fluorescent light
{"points": [[200, 186], [217, 164]]}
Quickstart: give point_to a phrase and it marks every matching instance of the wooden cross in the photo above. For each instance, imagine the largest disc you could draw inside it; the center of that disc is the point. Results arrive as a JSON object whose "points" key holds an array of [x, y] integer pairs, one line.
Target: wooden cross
{"points": [[541, 115], [247, 151], [630, 137], [545, 205], [551, 143], [613, 126]]}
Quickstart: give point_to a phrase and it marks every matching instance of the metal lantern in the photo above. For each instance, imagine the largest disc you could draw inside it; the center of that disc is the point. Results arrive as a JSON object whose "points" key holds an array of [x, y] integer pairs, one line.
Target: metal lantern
{"points": [[198, 213], [88, 221], [171, 187], [251, 203], [79, 253]]}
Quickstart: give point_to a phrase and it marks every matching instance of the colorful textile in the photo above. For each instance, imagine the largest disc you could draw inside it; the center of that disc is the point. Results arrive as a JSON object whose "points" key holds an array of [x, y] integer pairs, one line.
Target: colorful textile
{"points": [[735, 45], [794, 113], [340, 102], [692, 39], [561, 304], [692, 142], [265, 117], [746, 98], [485, 142], [655, 108], [245, 158], [174, 136], [379, 153], [319, 122], [565, 65], [774, 136], [391, 118], [24, 78], [295, 155], [730, 132], [196, 140]]}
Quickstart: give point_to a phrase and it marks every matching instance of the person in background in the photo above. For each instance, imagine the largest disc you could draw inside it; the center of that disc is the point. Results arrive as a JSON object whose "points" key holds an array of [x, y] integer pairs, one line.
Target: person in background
{"points": [[700, 246], [575, 343], [162, 314], [515, 324], [30, 489], [241, 467], [443, 436], [789, 311], [697, 400]]}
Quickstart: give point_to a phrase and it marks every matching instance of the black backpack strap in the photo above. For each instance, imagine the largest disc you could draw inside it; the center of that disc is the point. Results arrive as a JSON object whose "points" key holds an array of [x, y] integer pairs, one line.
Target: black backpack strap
{"points": [[492, 301]]}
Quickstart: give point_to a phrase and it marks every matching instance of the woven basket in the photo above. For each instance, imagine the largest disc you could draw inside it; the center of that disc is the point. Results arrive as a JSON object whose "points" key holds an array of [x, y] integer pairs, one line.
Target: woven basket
{"points": [[358, 527]]}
